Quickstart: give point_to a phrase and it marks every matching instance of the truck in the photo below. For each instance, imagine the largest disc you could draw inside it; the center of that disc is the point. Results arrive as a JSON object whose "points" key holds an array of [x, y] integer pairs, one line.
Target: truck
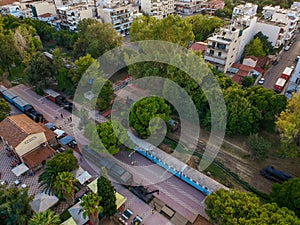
{"points": [[279, 85], [287, 73]]}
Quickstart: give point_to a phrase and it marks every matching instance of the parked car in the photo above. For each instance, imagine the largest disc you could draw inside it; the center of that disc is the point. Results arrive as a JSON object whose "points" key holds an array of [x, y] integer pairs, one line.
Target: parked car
{"points": [[137, 220], [126, 215], [287, 48], [275, 62], [297, 58], [261, 81]]}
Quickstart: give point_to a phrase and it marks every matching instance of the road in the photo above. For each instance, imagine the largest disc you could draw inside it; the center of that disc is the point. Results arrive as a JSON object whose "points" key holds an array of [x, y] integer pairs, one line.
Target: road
{"points": [[286, 58]]}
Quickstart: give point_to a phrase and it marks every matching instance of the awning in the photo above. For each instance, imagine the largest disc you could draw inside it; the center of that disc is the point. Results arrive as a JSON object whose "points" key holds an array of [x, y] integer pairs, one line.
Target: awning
{"points": [[82, 178], [77, 214], [66, 140], [69, 221], [120, 199], [58, 133], [93, 186], [20, 169], [49, 125], [42, 202]]}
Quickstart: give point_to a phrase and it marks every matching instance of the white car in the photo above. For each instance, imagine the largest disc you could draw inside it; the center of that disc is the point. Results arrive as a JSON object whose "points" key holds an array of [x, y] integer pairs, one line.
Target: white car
{"points": [[261, 81], [287, 48]]}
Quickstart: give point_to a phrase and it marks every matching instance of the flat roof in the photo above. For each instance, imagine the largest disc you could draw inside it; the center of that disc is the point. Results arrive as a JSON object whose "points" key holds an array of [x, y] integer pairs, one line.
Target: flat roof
{"points": [[287, 71], [52, 93]]}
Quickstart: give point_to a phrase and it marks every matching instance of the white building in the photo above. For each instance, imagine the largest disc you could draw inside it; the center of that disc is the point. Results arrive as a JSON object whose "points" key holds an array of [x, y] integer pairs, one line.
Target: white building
{"points": [[13, 9], [223, 48], [120, 18], [158, 8], [41, 8], [248, 9]]}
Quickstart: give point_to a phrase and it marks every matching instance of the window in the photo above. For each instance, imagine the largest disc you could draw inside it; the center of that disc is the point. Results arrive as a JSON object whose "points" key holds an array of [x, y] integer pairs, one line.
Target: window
{"points": [[219, 54], [211, 52]]}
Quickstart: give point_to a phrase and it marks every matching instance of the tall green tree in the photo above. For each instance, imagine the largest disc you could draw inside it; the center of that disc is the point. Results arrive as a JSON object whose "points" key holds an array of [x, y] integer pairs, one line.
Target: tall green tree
{"points": [[107, 192], [91, 207], [234, 207], [172, 29], [144, 116], [14, 205], [82, 64], [39, 71], [255, 48], [204, 25], [288, 125], [258, 146], [106, 92], [112, 135], [287, 195], [4, 109], [47, 217], [64, 186], [9, 54], [96, 39], [62, 162]]}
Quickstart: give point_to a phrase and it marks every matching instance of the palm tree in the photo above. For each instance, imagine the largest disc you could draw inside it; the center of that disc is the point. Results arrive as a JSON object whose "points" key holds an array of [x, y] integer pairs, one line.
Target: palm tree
{"points": [[64, 186], [47, 217], [91, 206], [47, 178], [14, 205]]}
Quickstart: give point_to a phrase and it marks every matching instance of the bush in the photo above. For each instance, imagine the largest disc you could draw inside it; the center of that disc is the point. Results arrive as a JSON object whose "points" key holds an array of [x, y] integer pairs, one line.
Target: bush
{"points": [[258, 146]]}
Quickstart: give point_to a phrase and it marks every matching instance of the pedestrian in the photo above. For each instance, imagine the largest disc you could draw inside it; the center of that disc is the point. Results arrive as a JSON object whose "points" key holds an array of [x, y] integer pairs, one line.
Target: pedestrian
{"points": [[71, 118], [154, 205], [68, 120], [152, 211], [61, 115]]}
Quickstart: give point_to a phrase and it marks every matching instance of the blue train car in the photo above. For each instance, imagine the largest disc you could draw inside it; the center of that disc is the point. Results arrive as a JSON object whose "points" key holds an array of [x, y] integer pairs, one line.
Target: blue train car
{"points": [[9, 96], [2, 88], [22, 104]]}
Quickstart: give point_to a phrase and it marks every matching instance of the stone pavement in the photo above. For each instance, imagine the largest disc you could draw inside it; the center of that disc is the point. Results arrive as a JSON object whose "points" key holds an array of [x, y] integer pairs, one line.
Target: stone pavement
{"points": [[10, 177]]}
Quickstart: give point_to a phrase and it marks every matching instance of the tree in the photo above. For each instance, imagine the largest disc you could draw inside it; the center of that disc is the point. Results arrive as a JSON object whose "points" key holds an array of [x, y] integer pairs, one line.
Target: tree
{"points": [[112, 135], [14, 205], [287, 194], [25, 41], [242, 116], [107, 192], [204, 25], [65, 38], [258, 146], [240, 208], [39, 71], [47, 217], [62, 162], [4, 109], [267, 45], [91, 206], [247, 81], [96, 39], [288, 125], [106, 92], [9, 54], [172, 29], [82, 64], [64, 186], [254, 48], [144, 113]]}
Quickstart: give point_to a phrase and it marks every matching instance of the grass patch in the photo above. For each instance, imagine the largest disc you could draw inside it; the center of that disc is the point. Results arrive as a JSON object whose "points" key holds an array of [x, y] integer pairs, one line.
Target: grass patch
{"points": [[174, 146]]}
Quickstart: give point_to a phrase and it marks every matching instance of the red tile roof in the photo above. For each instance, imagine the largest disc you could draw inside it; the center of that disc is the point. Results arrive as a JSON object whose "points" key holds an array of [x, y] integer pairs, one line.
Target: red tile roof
{"points": [[37, 156], [258, 69], [7, 2], [262, 61], [199, 46], [46, 15], [251, 57], [14, 129], [237, 79]]}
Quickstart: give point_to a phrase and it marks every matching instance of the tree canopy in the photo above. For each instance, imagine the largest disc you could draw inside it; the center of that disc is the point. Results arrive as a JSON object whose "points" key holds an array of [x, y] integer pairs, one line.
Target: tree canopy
{"points": [[288, 125], [107, 192], [47, 217], [4, 109], [287, 194], [255, 48], [144, 116], [234, 207]]}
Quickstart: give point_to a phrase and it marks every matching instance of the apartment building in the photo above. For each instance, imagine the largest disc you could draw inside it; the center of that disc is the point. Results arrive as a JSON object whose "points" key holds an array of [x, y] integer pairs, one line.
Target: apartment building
{"points": [[12, 9], [223, 47], [188, 7], [71, 15], [158, 8], [120, 17], [42, 8], [279, 25]]}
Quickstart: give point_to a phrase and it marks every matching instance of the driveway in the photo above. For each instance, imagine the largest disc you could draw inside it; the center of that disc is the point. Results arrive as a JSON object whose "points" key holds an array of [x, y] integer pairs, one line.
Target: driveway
{"points": [[286, 58]]}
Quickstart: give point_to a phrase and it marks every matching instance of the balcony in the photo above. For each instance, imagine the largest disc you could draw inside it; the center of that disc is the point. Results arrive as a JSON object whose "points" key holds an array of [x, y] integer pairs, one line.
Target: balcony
{"points": [[214, 59], [218, 48]]}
